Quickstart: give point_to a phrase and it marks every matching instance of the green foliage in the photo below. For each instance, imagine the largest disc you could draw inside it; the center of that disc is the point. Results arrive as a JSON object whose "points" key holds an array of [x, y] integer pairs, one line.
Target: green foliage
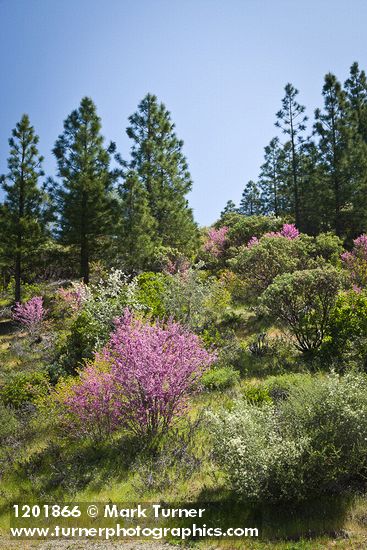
{"points": [[90, 328], [329, 247], [309, 444], [346, 337], [137, 228], [150, 292], [270, 257], [301, 302], [158, 161], [277, 355], [256, 394], [83, 196], [78, 345], [24, 388], [195, 300], [23, 213], [220, 378], [242, 228], [280, 386]]}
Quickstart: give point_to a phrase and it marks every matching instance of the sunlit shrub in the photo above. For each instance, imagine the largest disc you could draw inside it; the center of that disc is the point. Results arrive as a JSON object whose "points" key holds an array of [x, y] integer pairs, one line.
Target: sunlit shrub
{"points": [[346, 337], [151, 370], [261, 262], [220, 378], [311, 443], [301, 302], [195, 300], [30, 314], [24, 388], [150, 292]]}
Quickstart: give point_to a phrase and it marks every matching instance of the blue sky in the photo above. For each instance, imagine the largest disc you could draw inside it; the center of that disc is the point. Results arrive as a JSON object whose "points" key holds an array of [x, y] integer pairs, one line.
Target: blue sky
{"points": [[220, 67]]}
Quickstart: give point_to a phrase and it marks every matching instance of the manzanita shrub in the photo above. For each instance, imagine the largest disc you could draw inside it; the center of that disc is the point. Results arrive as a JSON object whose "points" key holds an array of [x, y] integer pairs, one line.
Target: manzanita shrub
{"points": [[262, 260], [30, 314], [152, 370], [302, 302]]}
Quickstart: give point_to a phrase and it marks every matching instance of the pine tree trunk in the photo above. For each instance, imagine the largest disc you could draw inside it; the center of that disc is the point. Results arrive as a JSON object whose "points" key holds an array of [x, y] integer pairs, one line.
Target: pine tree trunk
{"points": [[84, 245]]}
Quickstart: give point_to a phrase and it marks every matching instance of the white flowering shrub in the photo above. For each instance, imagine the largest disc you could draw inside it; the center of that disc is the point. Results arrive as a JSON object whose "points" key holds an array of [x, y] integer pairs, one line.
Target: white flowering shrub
{"points": [[313, 442], [92, 323], [109, 298]]}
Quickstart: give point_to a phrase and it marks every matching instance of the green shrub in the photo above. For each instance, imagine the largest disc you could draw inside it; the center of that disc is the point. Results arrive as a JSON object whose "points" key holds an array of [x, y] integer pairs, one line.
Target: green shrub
{"points": [[329, 247], [346, 337], [91, 327], [258, 265], [195, 299], [242, 228], [311, 443], [257, 394], [280, 386], [24, 388], [301, 302], [150, 291], [220, 378]]}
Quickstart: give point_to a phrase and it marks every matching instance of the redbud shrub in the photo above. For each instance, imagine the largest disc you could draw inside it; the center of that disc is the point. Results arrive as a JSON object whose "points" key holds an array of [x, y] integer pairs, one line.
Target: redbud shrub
{"points": [[148, 373]]}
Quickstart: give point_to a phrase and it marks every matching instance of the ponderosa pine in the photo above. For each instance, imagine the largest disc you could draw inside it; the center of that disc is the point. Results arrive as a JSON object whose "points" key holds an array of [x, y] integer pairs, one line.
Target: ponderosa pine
{"points": [[22, 214]]}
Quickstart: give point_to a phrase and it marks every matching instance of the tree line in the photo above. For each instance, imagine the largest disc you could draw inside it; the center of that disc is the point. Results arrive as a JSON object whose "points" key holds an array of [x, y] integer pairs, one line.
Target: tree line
{"points": [[317, 176], [99, 205]]}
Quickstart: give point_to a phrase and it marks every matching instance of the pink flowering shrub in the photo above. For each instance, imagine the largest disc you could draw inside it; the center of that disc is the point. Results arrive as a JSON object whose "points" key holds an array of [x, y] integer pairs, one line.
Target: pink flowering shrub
{"points": [[216, 241], [288, 231], [152, 371], [252, 242], [75, 296], [90, 403], [356, 261], [30, 314]]}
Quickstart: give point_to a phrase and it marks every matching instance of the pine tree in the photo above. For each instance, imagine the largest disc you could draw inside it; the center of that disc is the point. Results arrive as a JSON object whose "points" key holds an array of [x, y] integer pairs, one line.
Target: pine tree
{"points": [[22, 215], [157, 158], [229, 207], [291, 120], [333, 126], [83, 197], [138, 226], [250, 201], [270, 180], [356, 92], [315, 194]]}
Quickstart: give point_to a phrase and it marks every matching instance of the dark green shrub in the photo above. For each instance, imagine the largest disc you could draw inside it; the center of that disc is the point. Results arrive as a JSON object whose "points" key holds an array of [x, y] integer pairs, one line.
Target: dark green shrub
{"points": [[301, 302], [78, 344], [259, 264], [24, 388], [329, 247], [220, 378]]}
